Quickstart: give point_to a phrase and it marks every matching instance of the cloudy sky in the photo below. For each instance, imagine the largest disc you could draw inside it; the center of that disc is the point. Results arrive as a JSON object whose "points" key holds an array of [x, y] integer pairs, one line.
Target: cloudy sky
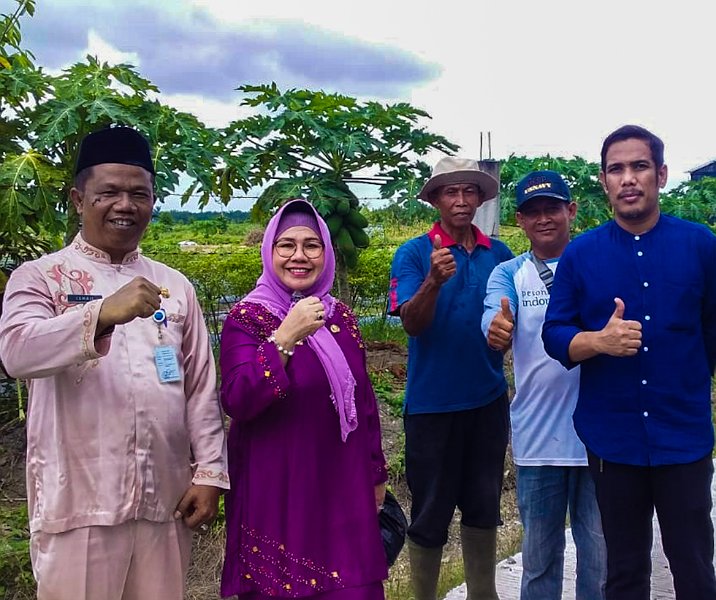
{"points": [[553, 76]]}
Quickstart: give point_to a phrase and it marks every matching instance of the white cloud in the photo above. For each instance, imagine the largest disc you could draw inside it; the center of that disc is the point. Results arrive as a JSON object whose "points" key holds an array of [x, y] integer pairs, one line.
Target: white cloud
{"points": [[554, 76], [103, 50]]}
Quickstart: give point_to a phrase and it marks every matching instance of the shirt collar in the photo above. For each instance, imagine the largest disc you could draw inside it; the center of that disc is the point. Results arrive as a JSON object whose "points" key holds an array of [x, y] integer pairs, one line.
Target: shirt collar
{"points": [[100, 256], [480, 238]]}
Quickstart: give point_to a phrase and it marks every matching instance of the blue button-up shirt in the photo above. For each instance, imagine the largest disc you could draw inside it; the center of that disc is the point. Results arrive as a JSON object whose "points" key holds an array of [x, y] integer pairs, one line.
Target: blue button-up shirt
{"points": [[653, 408]]}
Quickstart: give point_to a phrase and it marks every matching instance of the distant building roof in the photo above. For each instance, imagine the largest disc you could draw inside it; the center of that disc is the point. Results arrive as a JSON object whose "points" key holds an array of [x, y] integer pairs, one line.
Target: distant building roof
{"points": [[705, 170], [708, 164]]}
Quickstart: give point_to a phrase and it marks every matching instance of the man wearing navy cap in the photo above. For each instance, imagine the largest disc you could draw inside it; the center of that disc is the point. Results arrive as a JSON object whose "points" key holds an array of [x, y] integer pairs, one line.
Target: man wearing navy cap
{"points": [[634, 305], [125, 438], [553, 479]]}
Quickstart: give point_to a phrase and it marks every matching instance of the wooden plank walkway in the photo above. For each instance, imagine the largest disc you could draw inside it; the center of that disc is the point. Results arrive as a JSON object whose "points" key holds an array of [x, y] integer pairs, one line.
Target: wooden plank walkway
{"points": [[509, 571]]}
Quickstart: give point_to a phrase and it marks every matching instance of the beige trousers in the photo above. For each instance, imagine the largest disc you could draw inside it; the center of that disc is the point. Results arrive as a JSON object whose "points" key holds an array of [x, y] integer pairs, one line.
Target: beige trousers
{"points": [[137, 560]]}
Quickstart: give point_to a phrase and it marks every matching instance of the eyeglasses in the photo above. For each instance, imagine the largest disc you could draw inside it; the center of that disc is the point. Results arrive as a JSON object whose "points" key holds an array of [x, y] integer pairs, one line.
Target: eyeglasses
{"points": [[287, 248]]}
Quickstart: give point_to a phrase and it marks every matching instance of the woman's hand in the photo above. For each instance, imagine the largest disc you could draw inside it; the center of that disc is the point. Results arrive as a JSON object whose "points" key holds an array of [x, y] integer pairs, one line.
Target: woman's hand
{"points": [[379, 496], [306, 317]]}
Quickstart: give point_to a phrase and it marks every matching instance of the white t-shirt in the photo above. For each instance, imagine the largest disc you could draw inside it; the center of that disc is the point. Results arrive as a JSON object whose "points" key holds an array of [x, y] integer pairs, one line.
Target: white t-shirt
{"points": [[546, 393]]}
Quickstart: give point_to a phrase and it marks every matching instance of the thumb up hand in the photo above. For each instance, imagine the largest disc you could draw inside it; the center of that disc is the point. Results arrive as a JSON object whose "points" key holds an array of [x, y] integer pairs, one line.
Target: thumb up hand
{"points": [[499, 335], [442, 262], [620, 337]]}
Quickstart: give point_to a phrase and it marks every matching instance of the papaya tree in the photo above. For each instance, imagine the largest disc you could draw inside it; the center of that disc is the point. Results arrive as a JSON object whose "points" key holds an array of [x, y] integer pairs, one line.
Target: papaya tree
{"points": [[693, 200], [581, 175], [22, 86], [42, 121], [690, 200], [314, 144]]}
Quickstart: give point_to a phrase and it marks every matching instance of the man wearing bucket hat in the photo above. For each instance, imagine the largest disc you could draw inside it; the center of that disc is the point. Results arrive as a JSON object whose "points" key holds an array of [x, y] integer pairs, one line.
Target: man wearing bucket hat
{"points": [[456, 412], [552, 474], [126, 450]]}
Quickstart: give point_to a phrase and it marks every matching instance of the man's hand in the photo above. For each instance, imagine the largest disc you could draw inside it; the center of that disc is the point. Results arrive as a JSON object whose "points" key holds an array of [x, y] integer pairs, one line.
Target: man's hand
{"points": [[198, 506], [499, 335], [138, 298], [442, 262], [619, 337], [379, 496]]}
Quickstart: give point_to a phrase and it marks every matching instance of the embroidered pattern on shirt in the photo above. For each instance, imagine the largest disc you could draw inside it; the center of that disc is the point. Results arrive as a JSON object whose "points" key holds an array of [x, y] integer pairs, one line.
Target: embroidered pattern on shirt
{"points": [[255, 318], [260, 323], [87, 334], [351, 323], [81, 246], [69, 281], [209, 474], [268, 565]]}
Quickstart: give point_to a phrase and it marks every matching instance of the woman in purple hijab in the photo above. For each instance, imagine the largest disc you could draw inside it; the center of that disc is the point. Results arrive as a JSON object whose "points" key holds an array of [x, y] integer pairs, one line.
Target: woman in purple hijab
{"points": [[305, 461]]}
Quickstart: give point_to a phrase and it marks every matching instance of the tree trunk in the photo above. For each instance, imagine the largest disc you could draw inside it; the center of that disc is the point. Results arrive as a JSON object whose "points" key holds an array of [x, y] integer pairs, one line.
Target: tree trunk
{"points": [[341, 283]]}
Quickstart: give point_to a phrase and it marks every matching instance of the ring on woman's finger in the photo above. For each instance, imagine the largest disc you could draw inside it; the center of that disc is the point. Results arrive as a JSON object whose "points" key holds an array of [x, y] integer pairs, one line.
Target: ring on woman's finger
{"points": [[203, 528]]}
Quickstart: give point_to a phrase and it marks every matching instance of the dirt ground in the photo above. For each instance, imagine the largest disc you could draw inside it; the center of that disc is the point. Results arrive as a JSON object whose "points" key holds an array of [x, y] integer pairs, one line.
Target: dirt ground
{"points": [[208, 549]]}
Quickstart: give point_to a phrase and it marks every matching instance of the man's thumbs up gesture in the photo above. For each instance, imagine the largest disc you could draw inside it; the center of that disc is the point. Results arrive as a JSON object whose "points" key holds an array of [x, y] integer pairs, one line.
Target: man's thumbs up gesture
{"points": [[499, 335], [620, 337], [442, 262]]}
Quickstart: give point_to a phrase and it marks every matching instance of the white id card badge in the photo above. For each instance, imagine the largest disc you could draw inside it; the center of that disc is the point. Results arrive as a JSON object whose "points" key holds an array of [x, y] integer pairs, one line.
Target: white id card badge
{"points": [[165, 358]]}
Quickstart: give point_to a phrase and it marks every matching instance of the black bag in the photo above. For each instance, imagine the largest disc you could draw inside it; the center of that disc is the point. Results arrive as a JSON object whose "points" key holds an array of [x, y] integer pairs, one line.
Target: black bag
{"points": [[393, 527]]}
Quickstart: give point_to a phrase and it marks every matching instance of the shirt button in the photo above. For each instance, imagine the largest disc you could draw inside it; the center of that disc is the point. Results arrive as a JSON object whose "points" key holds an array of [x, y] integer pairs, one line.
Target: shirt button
{"points": [[643, 382], [640, 253], [647, 318], [637, 238], [646, 284], [646, 348], [646, 414]]}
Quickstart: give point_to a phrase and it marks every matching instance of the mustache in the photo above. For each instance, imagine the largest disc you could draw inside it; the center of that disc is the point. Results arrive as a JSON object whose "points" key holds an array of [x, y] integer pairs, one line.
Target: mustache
{"points": [[630, 193]]}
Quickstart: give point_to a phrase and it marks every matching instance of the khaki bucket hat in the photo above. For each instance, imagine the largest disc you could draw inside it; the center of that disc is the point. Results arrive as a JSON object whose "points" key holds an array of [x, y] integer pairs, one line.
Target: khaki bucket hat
{"points": [[451, 170]]}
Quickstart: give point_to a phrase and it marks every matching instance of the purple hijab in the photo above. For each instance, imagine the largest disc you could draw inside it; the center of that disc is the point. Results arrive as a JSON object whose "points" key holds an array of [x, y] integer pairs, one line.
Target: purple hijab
{"points": [[278, 299]]}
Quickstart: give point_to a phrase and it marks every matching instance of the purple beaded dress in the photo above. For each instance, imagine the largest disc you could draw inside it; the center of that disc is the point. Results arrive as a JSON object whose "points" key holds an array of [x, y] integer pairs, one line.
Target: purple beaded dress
{"points": [[300, 516]]}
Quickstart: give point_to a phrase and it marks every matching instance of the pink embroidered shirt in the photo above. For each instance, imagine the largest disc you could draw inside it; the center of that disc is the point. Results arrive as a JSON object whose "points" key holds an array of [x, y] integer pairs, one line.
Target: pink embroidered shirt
{"points": [[106, 440]]}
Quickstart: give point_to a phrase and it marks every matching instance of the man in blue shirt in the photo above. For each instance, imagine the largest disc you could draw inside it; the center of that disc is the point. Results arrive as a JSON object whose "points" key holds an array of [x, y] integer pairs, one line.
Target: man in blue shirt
{"points": [[634, 303], [552, 474], [456, 412]]}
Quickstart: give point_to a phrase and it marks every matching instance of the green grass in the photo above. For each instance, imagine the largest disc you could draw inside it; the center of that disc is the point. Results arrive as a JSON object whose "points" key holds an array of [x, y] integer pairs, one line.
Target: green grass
{"points": [[383, 330], [389, 390], [15, 569]]}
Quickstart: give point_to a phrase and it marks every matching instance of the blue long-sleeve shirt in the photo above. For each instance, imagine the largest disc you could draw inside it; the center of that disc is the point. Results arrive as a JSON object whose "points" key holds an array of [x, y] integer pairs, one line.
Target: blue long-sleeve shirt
{"points": [[653, 408]]}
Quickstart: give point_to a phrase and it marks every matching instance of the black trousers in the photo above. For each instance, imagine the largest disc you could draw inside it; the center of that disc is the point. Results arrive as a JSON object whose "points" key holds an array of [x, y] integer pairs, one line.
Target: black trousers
{"points": [[453, 460], [681, 494]]}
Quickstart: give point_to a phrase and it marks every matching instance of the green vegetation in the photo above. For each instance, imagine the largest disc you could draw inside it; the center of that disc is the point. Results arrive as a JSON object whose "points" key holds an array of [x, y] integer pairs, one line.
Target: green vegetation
{"points": [[389, 389], [15, 568], [298, 143]]}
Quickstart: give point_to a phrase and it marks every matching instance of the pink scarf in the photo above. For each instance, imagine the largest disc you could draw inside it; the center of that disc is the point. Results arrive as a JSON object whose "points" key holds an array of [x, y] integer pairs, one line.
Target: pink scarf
{"points": [[278, 299]]}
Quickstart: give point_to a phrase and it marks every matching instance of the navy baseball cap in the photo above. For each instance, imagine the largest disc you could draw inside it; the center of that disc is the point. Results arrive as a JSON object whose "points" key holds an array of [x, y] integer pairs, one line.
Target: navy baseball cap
{"points": [[539, 184]]}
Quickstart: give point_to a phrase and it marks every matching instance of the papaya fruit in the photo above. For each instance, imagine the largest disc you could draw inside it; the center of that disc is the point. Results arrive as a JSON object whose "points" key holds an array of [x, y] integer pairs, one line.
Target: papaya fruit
{"points": [[344, 242], [343, 206], [351, 259], [356, 219], [334, 222], [360, 238]]}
